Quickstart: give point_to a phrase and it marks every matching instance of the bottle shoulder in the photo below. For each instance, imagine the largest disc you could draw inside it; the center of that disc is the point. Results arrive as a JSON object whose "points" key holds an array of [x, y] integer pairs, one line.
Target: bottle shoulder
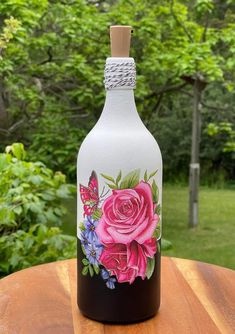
{"points": [[124, 143], [120, 132]]}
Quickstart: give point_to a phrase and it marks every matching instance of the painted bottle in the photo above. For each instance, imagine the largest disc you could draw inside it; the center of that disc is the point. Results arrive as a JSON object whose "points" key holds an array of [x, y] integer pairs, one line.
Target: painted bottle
{"points": [[119, 175]]}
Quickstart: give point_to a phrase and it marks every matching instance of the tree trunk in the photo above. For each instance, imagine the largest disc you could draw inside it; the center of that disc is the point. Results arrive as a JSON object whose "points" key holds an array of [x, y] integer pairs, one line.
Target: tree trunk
{"points": [[3, 112], [194, 169]]}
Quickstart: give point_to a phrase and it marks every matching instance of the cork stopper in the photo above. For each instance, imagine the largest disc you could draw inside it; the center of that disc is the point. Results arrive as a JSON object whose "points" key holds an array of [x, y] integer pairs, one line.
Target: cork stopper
{"points": [[120, 37]]}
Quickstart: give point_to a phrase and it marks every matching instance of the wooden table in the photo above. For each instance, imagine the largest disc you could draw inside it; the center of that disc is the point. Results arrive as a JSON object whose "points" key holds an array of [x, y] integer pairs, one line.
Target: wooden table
{"points": [[196, 298]]}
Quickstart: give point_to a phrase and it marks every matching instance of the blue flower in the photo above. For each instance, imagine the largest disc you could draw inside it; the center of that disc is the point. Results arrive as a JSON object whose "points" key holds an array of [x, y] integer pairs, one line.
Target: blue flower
{"points": [[104, 274], [109, 280], [90, 225], [90, 241], [93, 252], [84, 239], [110, 283]]}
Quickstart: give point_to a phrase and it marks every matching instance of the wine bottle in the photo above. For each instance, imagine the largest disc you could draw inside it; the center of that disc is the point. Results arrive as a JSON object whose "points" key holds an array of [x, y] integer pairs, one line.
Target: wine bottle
{"points": [[119, 175]]}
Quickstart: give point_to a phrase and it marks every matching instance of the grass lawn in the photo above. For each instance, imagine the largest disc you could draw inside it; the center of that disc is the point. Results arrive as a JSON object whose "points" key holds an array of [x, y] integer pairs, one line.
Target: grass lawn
{"points": [[213, 241]]}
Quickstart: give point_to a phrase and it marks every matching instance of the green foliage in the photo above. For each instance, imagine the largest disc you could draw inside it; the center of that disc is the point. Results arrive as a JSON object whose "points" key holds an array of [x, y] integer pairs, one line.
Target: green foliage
{"points": [[224, 129], [10, 28], [58, 145], [30, 208], [51, 73], [39, 244]]}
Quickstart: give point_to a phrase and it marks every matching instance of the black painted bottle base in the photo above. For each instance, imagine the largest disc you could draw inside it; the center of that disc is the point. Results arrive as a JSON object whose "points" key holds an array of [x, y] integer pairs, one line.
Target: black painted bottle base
{"points": [[127, 303]]}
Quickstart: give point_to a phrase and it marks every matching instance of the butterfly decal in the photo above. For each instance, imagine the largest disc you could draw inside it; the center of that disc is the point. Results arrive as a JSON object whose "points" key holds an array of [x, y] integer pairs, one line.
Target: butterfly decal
{"points": [[90, 195]]}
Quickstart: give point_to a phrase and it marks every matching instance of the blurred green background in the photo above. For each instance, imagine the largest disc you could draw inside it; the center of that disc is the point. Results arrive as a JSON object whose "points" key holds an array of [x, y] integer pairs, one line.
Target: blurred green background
{"points": [[52, 56]]}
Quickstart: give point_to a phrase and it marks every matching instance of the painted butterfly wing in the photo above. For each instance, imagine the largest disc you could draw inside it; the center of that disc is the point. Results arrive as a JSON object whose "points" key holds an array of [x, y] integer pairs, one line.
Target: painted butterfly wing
{"points": [[93, 186], [86, 200], [90, 195]]}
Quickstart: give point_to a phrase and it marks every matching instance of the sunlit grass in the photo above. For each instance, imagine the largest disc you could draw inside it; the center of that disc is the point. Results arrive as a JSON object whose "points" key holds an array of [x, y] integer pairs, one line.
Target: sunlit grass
{"points": [[213, 240]]}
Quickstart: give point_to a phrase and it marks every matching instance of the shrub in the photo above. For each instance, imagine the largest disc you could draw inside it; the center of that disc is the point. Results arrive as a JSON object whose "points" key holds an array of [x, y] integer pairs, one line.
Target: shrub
{"points": [[30, 212]]}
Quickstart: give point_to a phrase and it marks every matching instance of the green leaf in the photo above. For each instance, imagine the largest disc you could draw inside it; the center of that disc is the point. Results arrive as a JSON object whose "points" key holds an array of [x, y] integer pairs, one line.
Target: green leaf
{"points": [[17, 150], [28, 242], [81, 226], [145, 176], [150, 267], [130, 180], [18, 210], [109, 178], [83, 250], [63, 191], [96, 269], [85, 270], [4, 161], [166, 244], [157, 232], [14, 260], [91, 271], [158, 209], [36, 179], [42, 231], [111, 186], [85, 262], [155, 192], [97, 214], [152, 174], [118, 178]]}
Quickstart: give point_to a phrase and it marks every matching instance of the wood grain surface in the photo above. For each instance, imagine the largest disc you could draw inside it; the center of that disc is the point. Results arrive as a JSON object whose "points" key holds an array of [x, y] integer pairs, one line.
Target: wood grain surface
{"points": [[196, 298]]}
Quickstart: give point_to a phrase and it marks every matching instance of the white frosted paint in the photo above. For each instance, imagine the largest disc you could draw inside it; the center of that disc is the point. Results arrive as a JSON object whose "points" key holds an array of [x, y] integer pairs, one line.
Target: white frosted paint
{"points": [[118, 141]]}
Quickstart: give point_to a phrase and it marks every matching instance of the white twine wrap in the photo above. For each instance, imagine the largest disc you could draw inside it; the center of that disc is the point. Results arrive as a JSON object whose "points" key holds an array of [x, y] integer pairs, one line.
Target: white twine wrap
{"points": [[122, 74]]}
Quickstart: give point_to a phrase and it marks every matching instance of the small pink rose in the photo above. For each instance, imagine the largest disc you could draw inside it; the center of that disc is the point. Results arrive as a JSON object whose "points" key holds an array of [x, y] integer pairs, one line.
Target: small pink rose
{"points": [[127, 262], [128, 215]]}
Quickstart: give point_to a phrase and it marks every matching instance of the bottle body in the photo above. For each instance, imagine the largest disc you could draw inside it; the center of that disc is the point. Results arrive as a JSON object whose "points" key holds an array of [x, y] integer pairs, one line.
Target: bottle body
{"points": [[127, 303], [119, 177]]}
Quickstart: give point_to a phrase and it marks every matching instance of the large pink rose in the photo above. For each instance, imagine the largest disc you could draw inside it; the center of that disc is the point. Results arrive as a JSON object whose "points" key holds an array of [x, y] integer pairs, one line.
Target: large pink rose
{"points": [[128, 215], [127, 262]]}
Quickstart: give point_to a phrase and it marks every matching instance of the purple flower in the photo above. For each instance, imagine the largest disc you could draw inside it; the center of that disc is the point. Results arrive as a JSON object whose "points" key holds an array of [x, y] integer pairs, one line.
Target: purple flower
{"points": [[104, 274], [110, 283], [84, 239], [93, 252], [90, 226], [109, 280], [90, 241]]}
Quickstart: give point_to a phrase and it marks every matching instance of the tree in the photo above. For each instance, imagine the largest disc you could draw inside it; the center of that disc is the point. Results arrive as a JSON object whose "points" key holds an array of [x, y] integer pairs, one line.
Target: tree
{"points": [[51, 78], [51, 74], [10, 28], [192, 47]]}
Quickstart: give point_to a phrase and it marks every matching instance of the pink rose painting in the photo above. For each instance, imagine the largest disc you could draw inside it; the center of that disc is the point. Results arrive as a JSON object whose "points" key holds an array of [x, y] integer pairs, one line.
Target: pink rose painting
{"points": [[119, 238]]}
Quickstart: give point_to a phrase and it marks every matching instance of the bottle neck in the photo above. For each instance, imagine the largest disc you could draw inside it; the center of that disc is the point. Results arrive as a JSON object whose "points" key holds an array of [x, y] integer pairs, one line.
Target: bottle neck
{"points": [[120, 109]]}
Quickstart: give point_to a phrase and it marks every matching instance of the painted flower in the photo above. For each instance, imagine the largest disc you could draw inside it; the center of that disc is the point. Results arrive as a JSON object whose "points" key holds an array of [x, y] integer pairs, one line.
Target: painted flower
{"points": [[127, 262], [84, 239], [90, 226], [128, 214], [93, 253], [90, 241], [110, 281]]}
